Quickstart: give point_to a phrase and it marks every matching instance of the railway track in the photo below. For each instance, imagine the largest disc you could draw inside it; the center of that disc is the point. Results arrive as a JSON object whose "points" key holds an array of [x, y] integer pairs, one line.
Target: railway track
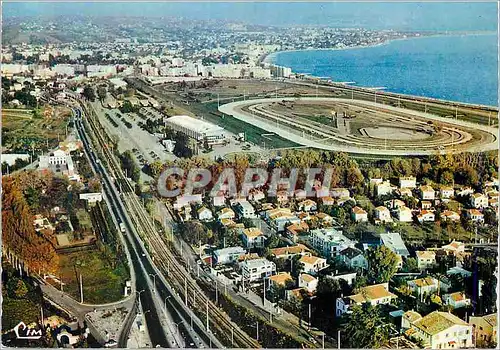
{"points": [[162, 256]]}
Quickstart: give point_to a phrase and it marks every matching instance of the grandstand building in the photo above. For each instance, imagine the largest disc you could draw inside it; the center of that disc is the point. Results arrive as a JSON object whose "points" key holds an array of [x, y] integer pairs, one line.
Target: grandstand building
{"points": [[197, 129]]}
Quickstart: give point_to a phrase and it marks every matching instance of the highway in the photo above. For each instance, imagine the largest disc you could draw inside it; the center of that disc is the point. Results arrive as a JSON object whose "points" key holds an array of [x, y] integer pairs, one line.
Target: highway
{"points": [[216, 323], [156, 329], [474, 113], [191, 332]]}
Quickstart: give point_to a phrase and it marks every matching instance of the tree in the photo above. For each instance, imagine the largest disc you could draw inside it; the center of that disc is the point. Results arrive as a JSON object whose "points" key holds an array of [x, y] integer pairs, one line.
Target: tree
{"points": [[360, 281], [275, 293], [467, 175], [411, 265], [101, 92], [328, 286], [446, 177], [89, 93], [16, 288], [273, 241], [32, 196], [354, 176], [21, 289], [365, 327], [489, 294], [382, 264], [94, 184], [181, 148], [296, 266], [155, 168], [18, 233], [194, 232], [127, 107], [131, 167]]}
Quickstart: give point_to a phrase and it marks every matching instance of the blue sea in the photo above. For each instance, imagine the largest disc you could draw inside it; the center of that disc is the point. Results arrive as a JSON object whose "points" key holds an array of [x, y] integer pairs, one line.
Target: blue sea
{"points": [[460, 68]]}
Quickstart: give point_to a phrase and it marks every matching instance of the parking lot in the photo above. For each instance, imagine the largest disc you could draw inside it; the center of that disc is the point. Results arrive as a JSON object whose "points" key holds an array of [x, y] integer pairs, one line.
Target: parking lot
{"points": [[145, 146]]}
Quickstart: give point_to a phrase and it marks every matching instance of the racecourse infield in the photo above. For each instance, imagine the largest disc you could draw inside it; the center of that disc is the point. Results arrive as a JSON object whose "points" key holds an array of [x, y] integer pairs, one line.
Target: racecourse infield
{"points": [[362, 127]]}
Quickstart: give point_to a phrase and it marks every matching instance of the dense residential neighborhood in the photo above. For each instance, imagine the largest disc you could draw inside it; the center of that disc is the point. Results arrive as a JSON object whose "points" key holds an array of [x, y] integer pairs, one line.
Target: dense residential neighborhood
{"points": [[297, 251]]}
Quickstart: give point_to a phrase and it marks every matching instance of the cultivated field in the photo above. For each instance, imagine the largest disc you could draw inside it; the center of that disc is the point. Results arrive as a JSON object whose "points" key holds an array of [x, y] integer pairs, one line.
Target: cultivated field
{"points": [[24, 130]]}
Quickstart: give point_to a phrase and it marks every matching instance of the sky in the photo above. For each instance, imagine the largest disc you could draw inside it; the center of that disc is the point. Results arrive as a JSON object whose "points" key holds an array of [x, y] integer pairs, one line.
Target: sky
{"points": [[442, 16]]}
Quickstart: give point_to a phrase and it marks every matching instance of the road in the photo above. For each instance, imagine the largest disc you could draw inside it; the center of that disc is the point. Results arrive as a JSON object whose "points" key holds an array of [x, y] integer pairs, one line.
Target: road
{"points": [[166, 264], [184, 326], [425, 104], [156, 329]]}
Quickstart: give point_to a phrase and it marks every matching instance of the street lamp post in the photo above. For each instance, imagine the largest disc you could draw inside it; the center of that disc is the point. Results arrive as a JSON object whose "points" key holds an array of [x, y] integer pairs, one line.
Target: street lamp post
{"points": [[139, 293], [166, 301], [177, 327], [154, 281]]}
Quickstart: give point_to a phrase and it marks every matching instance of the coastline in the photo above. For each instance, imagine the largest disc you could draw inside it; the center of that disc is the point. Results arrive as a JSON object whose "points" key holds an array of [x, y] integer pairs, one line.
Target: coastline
{"points": [[269, 57]]}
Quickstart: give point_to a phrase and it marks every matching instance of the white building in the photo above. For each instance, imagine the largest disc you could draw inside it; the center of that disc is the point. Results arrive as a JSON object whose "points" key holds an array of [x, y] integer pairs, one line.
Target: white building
{"points": [[375, 295], [13, 68], [64, 70], [448, 215], [479, 200], [197, 128], [394, 242], [204, 214], [10, 158], [359, 214], [382, 214], [118, 83], [456, 300], [329, 242], [427, 193], [308, 205], [426, 259], [91, 197], [353, 258], [446, 192], [100, 71], [426, 216], [313, 264], [257, 269], [226, 213], [228, 255], [340, 193], [426, 285], [408, 182], [280, 71], [308, 282], [383, 188], [245, 210], [348, 277], [60, 163], [279, 218], [440, 330], [474, 215], [404, 214], [253, 238]]}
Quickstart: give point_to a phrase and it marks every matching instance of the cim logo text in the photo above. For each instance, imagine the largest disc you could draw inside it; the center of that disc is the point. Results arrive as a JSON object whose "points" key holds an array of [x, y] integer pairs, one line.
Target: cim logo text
{"points": [[24, 332]]}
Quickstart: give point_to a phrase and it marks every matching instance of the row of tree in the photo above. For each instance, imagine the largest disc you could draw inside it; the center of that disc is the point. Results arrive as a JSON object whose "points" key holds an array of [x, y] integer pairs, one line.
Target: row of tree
{"points": [[37, 251]]}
